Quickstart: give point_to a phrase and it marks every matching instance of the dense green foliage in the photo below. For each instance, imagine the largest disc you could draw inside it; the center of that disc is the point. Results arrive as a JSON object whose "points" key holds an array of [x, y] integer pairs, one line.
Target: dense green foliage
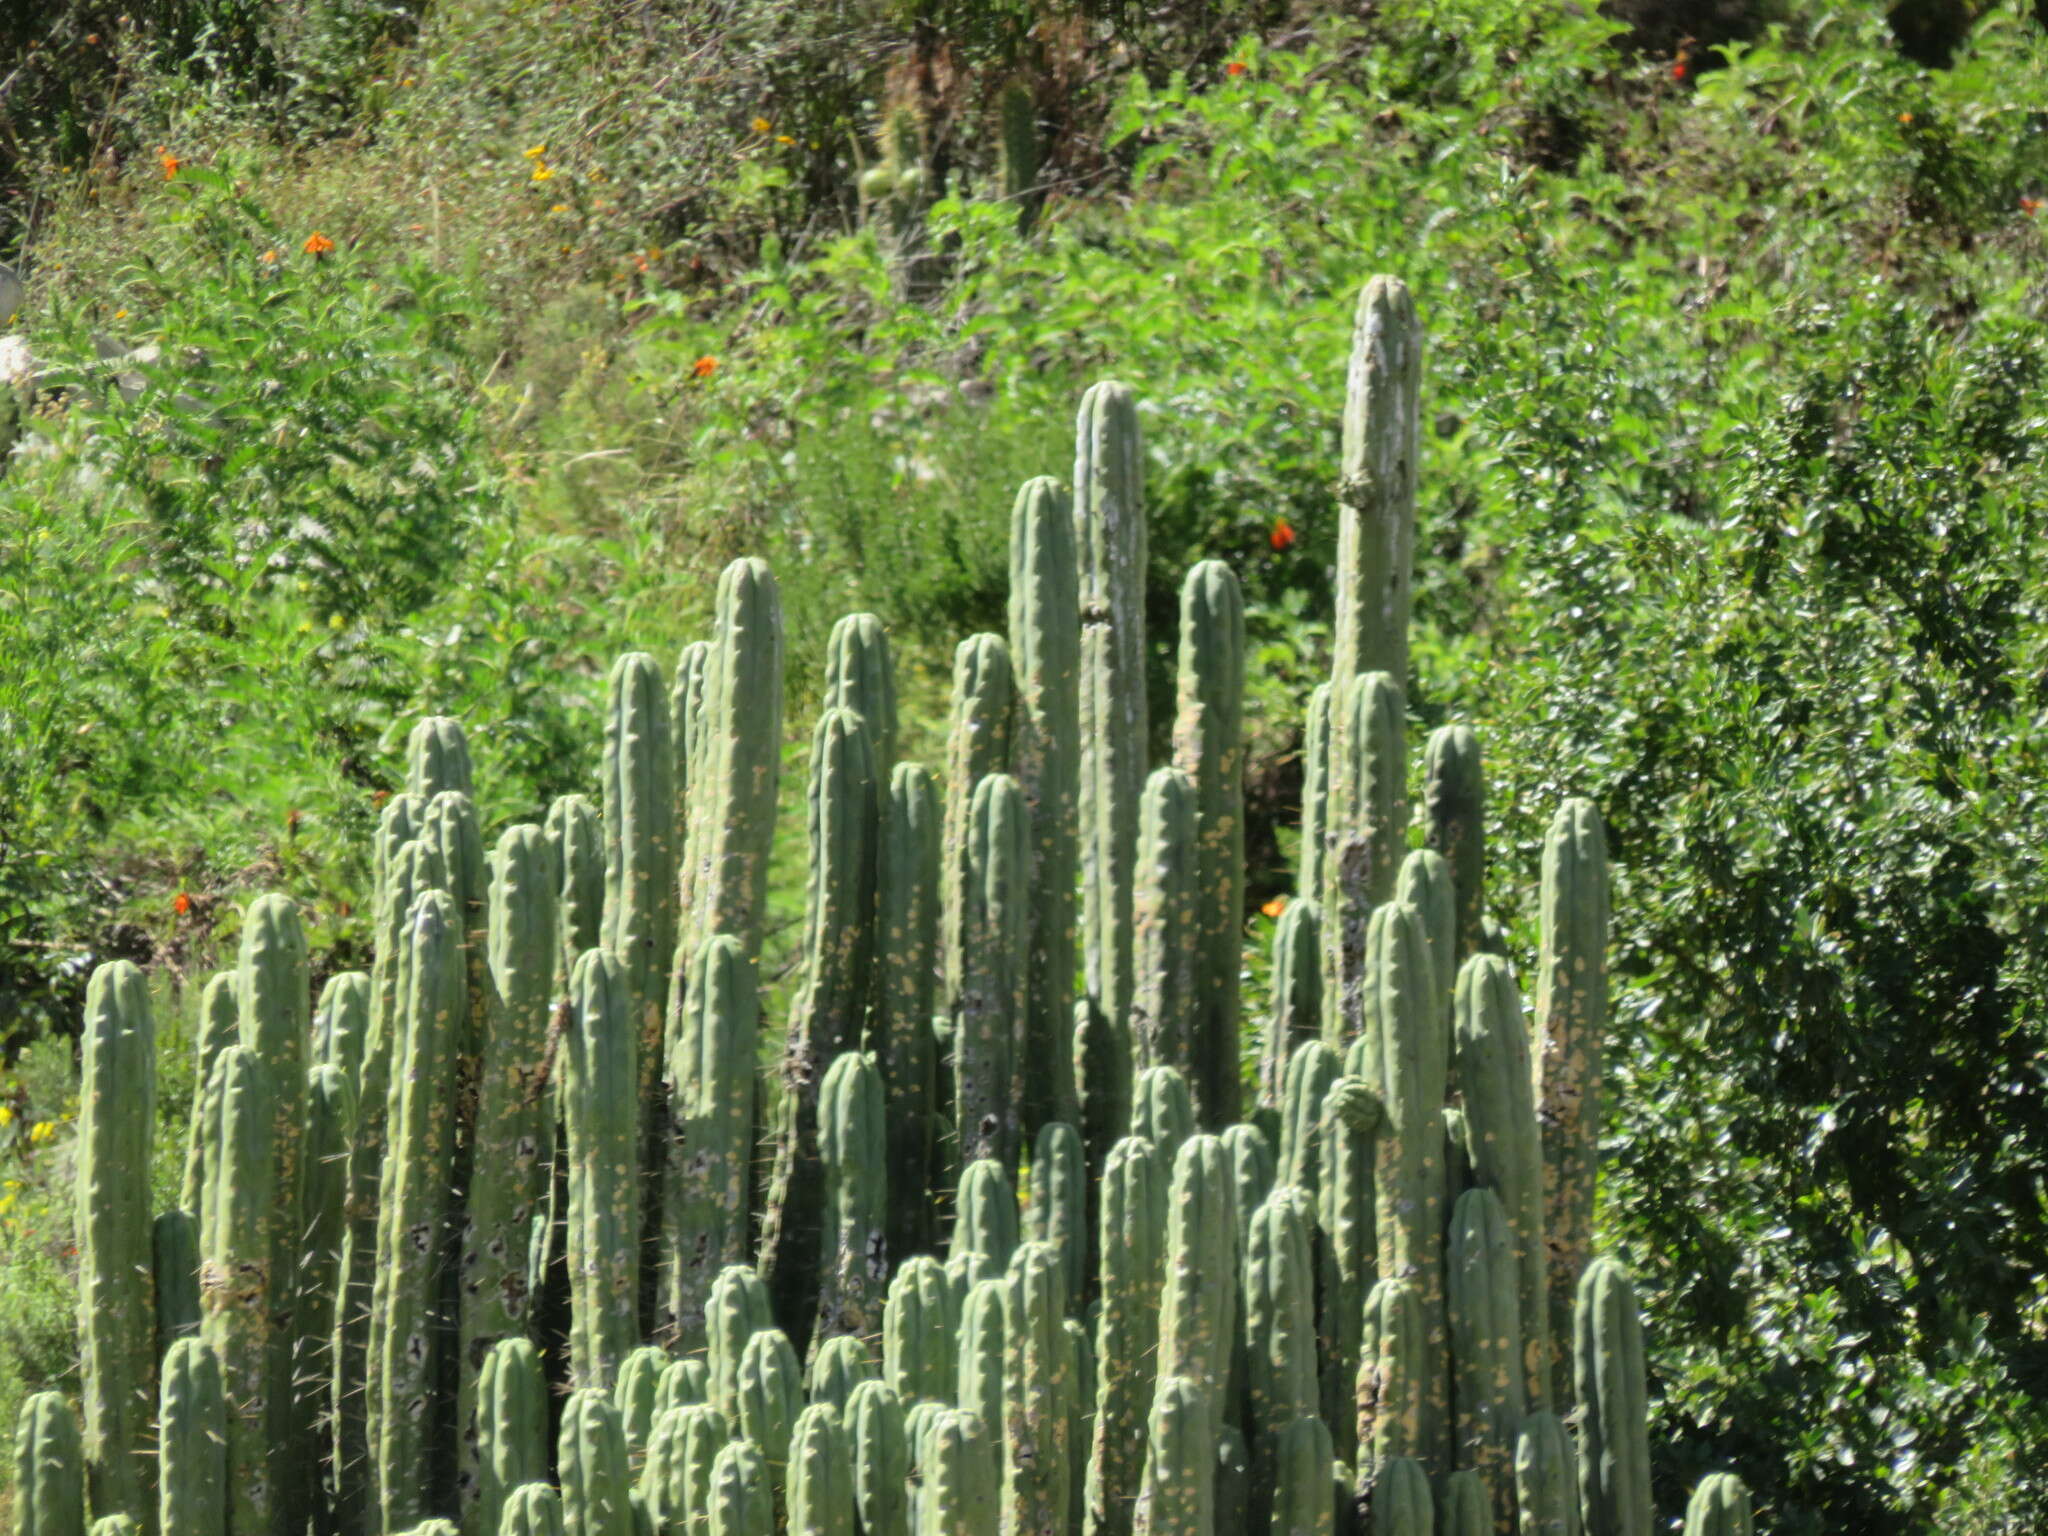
{"points": [[1728, 519]]}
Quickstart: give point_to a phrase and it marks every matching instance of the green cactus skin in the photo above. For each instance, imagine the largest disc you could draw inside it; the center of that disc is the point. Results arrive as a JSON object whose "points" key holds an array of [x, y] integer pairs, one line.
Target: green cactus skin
{"points": [[510, 1432], [742, 1501], [1311, 1067], [906, 962], [859, 677], [116, 1310], [770, 1392], [218, 1027], [986, 1222], [1019, 153], [983, 1346], [1058, 1215], [1208, 746], [1486, 1345], [120, 1524], [1178, 1497], [838, 1365], [639, 926], [821, 1487], [434, 1527], [1162, 1111], [1038, 1393], [1401, 1502], [737, 766], [408, 1312], [686, 724], [533, 1509], [341, 1023], [1080, 1418], [330, 1129], [1504, 1141], [1404, 1032], [633, 1393], [1454, 810], [962, 1480], [1109, 547], [1392, 1390], [1315, 794], [174, 1272], [1546, 1478], [1457, 1155], [839, 934], [852, 1144], [1281, 1381], [1467, 1507], [1367, 835], [881, 1459], [1164, 1013], [1719, 1507], [49, 1469], [682, 1383], [1348, 1135], [675, 1483], [919, 1322], [1198, 1299], [711, 1075], [599, 1084], [1425, 884], [1376, 535], [1253, 1172], [191, 1446], [989, 1003], [1614, 1445], [437, 758], [590, 1453], [1570, 1036], [234, 1276], [1133, 1264], [574, 832], [738, 1309], [452, 830], [1296, 1013], [1304, 1473], [1045, 630]]}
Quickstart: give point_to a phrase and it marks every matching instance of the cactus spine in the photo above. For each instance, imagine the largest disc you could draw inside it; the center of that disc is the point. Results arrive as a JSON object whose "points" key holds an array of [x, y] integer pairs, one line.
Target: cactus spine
{"points": [[599, 1093], [1571, 1024], [991, 994], [1045, 645], [49, 1469], [510, 1430], [591, 1453], [906, 961], [1454, 807], [851, 1143], [1614, 1462], [1719, 1507], [174, 1265], [330, 1129], [192, 1486], [741, 1500], [1164, 1011], [676, 1481], [1208, 746], [117, 1322]]}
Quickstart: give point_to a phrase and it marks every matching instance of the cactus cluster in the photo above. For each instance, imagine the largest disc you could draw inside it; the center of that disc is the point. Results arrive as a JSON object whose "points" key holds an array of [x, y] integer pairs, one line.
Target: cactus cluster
{"points": [[513, 1235]]}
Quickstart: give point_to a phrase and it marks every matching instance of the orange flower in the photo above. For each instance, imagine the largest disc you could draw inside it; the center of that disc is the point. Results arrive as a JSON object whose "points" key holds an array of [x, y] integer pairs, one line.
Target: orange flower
{"points": [[1282, 536], [1234, 68], [1905, 117], [269, 257], [181, 903], [1275, 907], [379, 796], [705, 367], [2030, 205], [168, 161], [317, 244]]}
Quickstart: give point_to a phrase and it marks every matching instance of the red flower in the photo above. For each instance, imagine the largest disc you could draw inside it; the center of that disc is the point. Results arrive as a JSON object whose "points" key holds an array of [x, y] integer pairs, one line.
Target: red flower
{"points": [[181, 903], [705, 367], [1678, 70], [1282, 536], [1234, 68]]}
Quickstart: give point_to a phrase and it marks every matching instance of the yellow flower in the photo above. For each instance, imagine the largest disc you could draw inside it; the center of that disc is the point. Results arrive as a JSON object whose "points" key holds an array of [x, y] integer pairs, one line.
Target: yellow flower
{"points": [[42, 1131], [335, 621], [120, 314], [536, 152], [543, 172], [559, 208], [784, 140], [761, 125], [6, 1115]]}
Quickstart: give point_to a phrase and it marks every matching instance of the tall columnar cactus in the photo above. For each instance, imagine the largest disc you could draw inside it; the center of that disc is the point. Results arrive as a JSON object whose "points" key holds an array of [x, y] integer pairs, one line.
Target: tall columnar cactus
{"points": [[116, 1313], [534, 1509], [711, 1076], [1311, 1067], [1614, 1462], [676, 1480], [919, 1323], [742, 1500], [859, 677], [341, 1022], [985, 1223], [574, 832], [330, 1128], [1425, 885], [409, 1325], [174, 1276], [1109, 546], [724, 881], [639, 774], [1208, 746], [881, 1459], [1059, 1202], [1454, 808], [1198, 1299], [1296, 1012], [737, 1310], [1368, 828], [770, 1394], [1161, 1110], [1304, 1477], [1467, 1505], [682, 1383], [854, 1261], [1393, 1385], [217, 1028], [1347, 1148], [49, 1469], [1315, 794], [838, 1365], [1019, 152], [600, 1082], [906, 963], [1571, 1026], [634, 1390], [962, 1488], [1038, 1393], [1486, 1344], [1546, 1478], [1376, 534], [1045, 633], [1504, 1141], [1133, 1261], [990, 996], [595, 1476], [1281, 1385], [686, 696], [980, 736], [982, 1350], [1178, 1497], [821, 1488], [234, 1276], [437, 758], [1719, 1507], [510, 1431], [839, 946], [191, 1444], [1165, 1006], [1401, 1501]]}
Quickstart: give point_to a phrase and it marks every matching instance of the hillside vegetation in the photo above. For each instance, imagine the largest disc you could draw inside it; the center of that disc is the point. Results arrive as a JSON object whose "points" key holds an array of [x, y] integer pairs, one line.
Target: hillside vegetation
{"points": [[484, 332]]}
